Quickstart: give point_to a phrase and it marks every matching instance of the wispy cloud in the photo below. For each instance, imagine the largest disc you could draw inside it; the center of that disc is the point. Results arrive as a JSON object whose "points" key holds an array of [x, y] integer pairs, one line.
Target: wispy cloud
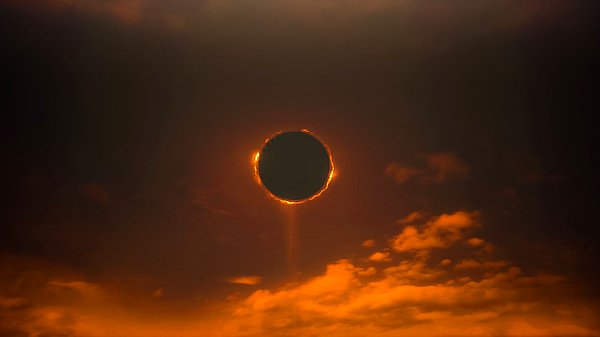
{"points": [[246, 280], [368, 243], [437, 168]]}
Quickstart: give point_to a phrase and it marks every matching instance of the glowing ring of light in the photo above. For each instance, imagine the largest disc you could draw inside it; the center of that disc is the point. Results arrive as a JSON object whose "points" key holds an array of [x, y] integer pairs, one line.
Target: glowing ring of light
{"points": [[256, 158]]}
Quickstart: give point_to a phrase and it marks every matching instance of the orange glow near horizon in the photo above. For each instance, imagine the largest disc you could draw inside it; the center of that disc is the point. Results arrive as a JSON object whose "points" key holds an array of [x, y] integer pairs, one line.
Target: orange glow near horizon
{"points": [[256, 158]]}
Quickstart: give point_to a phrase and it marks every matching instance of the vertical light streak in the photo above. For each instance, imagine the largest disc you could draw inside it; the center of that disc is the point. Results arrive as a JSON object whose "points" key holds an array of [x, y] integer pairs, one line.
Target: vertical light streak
{"points": [[293, 241]]}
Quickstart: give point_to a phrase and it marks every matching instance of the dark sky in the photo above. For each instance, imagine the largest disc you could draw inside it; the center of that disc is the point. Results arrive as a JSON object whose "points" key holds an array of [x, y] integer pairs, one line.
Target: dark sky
{"points": [[129, 126]]}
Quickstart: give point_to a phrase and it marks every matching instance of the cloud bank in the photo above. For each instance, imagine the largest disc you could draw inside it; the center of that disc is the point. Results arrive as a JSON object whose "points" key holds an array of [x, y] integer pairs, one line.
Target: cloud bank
{"points": [[398, 291]]}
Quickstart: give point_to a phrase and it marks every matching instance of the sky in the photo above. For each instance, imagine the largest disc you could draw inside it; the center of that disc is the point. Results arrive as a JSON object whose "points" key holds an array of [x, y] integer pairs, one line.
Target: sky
{"points": [[463, 201]]}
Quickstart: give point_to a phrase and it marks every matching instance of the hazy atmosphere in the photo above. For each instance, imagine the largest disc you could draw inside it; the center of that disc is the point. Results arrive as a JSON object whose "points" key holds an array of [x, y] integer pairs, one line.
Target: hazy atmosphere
{"points": [[464, 199]]}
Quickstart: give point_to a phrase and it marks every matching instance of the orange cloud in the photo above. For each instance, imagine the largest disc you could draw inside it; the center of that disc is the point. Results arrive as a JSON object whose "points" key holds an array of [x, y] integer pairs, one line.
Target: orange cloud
{"points": [[444, 166], [42, 299], [474, 264], [440, 232], [417, 298], [411, 297], [412, 217], [438, 168], [380, 257], [246, 280], [343, 303], [475, 242], [402, 173], [368, 243], [446, 262]]}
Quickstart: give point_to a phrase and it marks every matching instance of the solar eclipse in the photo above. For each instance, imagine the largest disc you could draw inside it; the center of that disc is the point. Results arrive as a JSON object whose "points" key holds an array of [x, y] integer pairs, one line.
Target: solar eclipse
{"points": [[294, 166]]}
